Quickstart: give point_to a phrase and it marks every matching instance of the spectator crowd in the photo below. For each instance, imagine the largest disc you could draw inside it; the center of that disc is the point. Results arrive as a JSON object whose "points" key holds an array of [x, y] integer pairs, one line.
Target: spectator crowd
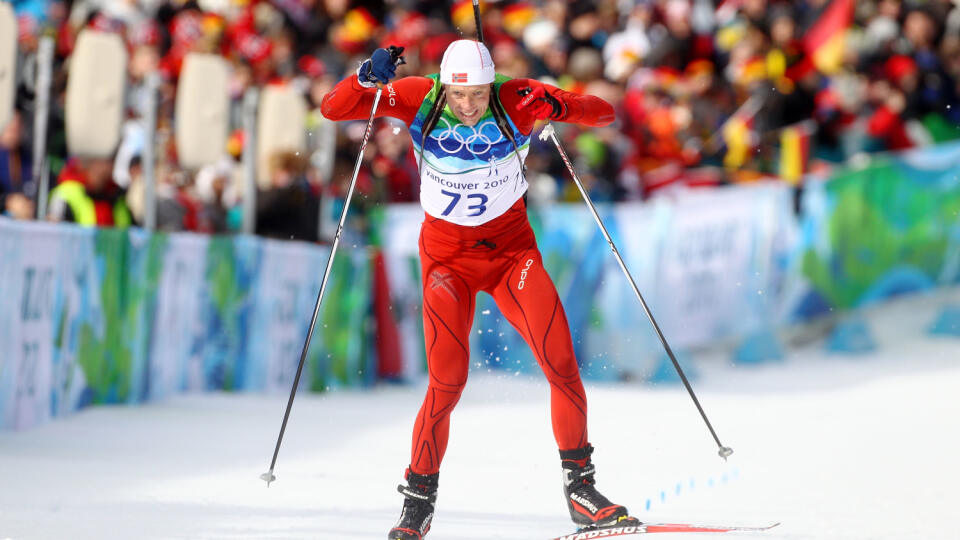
{"points": [[707, 92]]}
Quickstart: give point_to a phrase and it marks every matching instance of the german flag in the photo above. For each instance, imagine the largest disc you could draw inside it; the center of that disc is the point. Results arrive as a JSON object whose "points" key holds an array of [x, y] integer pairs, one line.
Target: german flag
{"points": [[462, 15], [737, 135], [516, 17], [359, 25], [824, 41], [794, 152]]}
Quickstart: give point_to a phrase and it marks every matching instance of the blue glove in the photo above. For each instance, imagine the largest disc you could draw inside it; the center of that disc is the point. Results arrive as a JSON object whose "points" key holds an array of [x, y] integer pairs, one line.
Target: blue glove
{"points": [[380, 67]]}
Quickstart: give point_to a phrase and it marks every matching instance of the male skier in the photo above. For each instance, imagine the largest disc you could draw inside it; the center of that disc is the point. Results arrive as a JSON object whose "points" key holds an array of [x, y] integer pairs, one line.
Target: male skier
{"points": [[476, 237]]}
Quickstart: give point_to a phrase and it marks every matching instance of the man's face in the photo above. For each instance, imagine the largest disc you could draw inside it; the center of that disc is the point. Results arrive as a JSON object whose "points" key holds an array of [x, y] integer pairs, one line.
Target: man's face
{"points": [[468, 103], [10, 135], [99, 173]]}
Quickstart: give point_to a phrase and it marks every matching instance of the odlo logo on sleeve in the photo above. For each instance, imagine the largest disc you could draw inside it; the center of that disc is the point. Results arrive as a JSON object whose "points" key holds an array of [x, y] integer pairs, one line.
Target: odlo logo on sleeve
{"points": [[523, 273]]}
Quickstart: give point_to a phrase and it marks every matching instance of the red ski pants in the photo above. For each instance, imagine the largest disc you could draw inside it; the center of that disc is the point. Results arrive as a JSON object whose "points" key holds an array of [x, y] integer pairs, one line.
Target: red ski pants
{"points": [[501, 258]]}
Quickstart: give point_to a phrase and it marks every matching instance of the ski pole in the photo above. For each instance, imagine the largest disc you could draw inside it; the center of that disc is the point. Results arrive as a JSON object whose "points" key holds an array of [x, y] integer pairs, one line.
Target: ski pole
{"points": [[549, 133], [269, 476]]}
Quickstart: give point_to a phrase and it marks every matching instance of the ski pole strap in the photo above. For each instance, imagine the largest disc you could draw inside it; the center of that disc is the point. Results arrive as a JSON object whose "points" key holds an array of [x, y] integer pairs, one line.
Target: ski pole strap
{"points": [[395, 55], [431, 122], [500, 116]]}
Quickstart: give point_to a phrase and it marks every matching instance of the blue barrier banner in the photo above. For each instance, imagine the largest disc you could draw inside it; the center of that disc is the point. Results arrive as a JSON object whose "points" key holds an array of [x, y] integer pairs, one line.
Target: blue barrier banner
{"points": [[708, 263], [718, 269], [93, 316], [889, 227]]}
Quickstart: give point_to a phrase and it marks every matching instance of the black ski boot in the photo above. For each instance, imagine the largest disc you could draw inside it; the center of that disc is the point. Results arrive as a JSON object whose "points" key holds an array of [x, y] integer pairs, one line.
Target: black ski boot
{"points": [[588, 508], [421, 494]]}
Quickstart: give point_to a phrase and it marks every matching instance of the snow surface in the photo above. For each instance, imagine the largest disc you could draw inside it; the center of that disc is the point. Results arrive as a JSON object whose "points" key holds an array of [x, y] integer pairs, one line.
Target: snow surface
{"points": [[834, 447]]}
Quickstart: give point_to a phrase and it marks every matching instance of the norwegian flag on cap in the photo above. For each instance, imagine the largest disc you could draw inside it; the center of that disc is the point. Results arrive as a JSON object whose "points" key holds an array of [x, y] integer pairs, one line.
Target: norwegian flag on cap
{"points": [[467, 62]]}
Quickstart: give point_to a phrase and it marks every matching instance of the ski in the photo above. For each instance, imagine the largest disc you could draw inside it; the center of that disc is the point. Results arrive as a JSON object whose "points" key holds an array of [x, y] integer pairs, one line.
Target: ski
{"points": [[645, 528]]}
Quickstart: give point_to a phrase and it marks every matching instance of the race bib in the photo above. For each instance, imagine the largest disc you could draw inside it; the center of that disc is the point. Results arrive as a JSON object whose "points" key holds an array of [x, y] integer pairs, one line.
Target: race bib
{"points": [[470, 174]]}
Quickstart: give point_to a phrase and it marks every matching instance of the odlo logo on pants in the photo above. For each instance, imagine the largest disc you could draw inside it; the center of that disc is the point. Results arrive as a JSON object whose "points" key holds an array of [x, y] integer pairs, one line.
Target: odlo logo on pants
{"points": [[523, 273]]}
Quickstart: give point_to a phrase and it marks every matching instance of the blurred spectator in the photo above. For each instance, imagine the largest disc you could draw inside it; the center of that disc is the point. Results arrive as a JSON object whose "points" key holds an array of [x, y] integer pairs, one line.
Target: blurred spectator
{"points": [[16, 205], [217, 192], [16, 169], [886, 124], [176, 210], [624, 49], [289, 209], [86, 195], [673, 45], [392, 166]]}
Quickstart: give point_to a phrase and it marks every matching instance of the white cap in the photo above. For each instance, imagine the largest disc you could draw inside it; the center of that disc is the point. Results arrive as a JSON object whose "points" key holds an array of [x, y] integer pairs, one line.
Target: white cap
{"points": [[466, 63]]}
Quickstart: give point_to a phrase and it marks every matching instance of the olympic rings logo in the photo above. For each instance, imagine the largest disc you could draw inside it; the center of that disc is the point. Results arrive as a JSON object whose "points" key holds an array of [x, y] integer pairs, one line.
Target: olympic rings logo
{"points": [[466, 136]]}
